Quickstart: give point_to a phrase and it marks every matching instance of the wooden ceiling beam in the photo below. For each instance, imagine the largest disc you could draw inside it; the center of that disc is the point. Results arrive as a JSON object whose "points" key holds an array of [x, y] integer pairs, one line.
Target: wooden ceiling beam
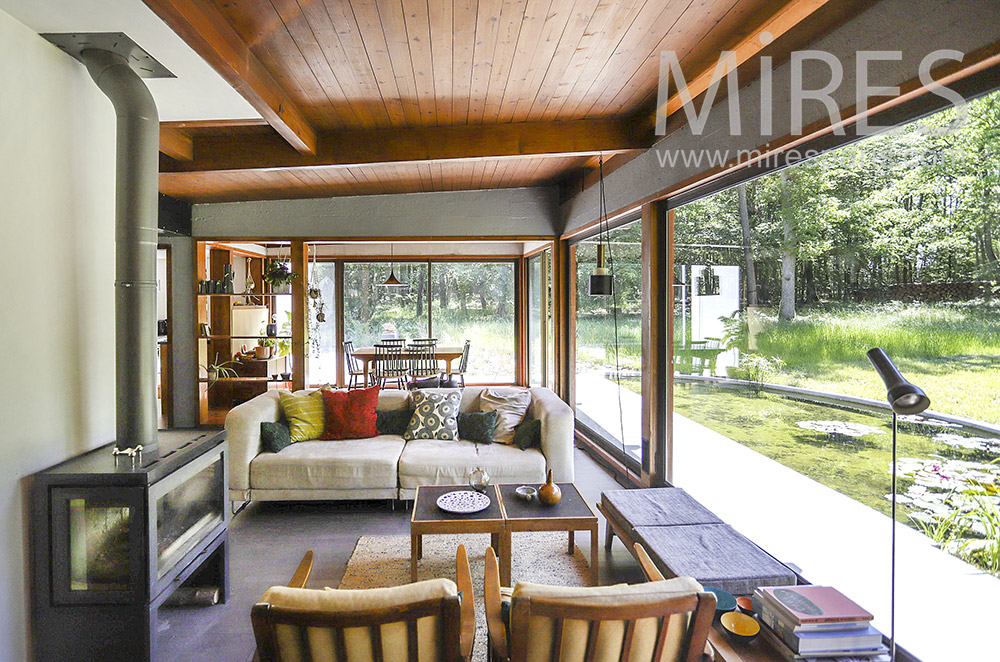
{"points": [[786, 17], [176, 143], [232, 152], [206, 30]]}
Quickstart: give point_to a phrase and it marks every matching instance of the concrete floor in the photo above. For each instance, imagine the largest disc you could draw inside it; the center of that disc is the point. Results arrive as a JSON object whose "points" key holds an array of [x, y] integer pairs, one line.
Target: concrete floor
{"points": [[267, 541]]}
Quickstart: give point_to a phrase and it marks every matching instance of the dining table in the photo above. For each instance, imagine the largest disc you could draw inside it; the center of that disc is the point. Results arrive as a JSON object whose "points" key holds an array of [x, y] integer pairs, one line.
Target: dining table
{"points": [[443, 353]]}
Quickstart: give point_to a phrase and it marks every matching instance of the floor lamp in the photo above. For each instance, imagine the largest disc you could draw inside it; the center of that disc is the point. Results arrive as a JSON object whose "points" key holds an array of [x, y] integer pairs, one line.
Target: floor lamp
{"points": [[904, 398]]}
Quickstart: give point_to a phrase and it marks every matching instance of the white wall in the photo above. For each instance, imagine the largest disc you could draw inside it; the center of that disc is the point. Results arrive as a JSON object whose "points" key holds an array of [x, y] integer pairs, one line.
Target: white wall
{"points": [[57, 326]]}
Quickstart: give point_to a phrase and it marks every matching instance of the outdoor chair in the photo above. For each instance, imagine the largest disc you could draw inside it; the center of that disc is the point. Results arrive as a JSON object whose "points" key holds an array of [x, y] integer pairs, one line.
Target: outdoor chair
{"points": [[664, 621], [423, 361], [463, 364], [354, 369], [296, 623], [390, 364]]}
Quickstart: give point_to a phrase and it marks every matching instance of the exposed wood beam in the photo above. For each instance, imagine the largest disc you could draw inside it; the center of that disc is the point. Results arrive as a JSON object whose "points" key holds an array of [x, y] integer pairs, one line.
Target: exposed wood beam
{"points": [[176, 143], [206, 30], [781, 21], [380, 146]]}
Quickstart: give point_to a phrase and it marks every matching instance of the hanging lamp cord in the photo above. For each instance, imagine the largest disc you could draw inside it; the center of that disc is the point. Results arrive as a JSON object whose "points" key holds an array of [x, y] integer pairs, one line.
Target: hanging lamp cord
{"points": [[603, 222]]}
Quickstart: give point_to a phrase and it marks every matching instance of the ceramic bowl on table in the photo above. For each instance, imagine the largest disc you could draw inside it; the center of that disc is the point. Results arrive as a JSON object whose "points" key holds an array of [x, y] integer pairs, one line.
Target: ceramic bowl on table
{"points": [[724, 600], [739, 627], [745, 605], [525, 492]]}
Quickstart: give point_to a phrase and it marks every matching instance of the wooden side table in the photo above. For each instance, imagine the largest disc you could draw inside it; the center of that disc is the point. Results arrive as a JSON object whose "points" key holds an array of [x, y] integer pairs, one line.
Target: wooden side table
{"points": [[428, 519], [571, 514]]}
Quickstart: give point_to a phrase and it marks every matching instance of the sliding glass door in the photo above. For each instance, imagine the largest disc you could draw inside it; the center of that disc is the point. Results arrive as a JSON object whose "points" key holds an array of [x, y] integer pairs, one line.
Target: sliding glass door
{"points": [[539, 350]]}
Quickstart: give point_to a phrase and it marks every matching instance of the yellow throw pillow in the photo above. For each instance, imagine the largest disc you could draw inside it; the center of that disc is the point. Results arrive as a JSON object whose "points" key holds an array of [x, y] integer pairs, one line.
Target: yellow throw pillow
{"points": [[304, 413]]}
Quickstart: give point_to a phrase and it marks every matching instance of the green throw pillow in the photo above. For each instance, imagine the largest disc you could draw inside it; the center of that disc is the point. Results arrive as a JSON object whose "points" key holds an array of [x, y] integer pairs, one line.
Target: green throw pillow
{"points": [[477, 426], [275, 436], [435, 414], [528, 434], [393, 422], [305, 414]]}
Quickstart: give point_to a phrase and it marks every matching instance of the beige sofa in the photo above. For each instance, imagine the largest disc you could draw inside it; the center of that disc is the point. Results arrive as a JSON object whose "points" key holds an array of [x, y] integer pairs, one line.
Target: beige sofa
{"points": [[386, 466]]}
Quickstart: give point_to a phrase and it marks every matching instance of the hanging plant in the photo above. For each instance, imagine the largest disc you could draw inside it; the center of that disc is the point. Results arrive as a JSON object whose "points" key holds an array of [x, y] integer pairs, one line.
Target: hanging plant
{"points": [[277, 274]]}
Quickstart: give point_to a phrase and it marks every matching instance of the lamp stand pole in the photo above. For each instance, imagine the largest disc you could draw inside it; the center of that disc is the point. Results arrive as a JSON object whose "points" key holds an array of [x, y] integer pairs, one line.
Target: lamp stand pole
{"points": [[892, 569]]}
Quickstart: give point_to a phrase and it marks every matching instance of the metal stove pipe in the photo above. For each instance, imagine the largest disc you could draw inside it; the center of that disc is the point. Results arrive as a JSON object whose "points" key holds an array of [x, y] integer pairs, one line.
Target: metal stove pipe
{"points": [[136, 187]]}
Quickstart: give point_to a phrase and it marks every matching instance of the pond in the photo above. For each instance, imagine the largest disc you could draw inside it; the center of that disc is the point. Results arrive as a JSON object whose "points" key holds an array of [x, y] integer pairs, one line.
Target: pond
{"points": [[949, 474]]}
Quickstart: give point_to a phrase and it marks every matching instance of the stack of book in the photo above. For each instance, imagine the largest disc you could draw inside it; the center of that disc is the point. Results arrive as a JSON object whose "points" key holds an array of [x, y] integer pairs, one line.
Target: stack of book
{"points": [[814, 623]]}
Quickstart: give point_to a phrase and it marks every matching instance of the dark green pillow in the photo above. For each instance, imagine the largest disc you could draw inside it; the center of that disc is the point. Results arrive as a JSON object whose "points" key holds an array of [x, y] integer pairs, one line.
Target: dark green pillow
{"points": [[477, 426], [393, 422], [528, 433], [275, 436]]}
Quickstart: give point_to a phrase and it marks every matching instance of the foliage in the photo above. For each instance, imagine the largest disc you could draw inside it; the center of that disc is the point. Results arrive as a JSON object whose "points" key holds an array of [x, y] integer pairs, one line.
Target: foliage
{"points": [[216, 370], [757, 369], [278, 274]]}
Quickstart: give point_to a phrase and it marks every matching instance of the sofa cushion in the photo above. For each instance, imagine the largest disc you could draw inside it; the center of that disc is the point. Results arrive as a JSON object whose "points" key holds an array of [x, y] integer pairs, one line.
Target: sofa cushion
{"points": [[510, 404], [528, 433], [348, 464], [393, 421], [274, 436], [435, 414], [304, 412], [477, 426], [437, 462], [350, 414]]}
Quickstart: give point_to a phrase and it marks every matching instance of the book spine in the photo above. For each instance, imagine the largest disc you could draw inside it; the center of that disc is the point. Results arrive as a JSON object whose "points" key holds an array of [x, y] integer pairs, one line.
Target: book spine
{"points": [[784, 630]]}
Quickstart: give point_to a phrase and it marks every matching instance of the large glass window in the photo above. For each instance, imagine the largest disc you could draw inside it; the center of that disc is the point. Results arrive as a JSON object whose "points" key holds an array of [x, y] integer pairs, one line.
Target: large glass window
{"points": [[609, 342], [781, 285], [322, 316], [539, 318], [372, 312], [475, 301]]}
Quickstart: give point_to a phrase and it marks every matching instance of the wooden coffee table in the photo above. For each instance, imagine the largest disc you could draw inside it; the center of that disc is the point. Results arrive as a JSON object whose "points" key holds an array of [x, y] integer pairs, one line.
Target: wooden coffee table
{"points": [[571, 514], [506, 514], [428, 519]]}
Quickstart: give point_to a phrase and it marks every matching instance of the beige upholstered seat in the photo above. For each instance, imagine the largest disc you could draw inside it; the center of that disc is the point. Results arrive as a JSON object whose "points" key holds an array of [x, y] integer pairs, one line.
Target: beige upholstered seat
{"points": [[428, 621], [664, 621]]}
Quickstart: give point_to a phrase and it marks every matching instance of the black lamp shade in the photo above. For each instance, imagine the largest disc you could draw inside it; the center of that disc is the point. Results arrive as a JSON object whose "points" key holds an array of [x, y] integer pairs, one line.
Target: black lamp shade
{"points": [[904, 397], [392, 281], [600, 285]]}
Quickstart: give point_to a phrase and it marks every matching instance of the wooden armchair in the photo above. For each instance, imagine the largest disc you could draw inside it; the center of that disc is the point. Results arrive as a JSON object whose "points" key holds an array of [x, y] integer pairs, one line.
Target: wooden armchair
{"points": [[653, 622], [428, 621]]}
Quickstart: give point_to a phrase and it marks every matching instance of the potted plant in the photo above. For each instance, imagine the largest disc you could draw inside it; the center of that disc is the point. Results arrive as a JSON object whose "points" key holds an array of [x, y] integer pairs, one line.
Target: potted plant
{"points": [[265, 347], [216, 370], [278, 276]]}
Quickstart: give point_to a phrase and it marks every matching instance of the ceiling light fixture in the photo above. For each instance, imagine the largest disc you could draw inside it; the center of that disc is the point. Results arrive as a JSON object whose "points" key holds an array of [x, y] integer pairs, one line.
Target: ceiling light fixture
{"points": [[392, 281], [601, 282]]}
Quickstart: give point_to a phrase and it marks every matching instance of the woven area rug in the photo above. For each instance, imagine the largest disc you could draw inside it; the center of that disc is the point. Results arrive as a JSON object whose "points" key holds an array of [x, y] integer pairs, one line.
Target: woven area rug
{"points": [[380, 561]]}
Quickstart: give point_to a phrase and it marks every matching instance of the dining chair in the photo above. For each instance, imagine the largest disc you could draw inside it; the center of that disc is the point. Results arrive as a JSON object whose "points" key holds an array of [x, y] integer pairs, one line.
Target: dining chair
{"points": [[394, 341], [663, 621], [354, 369], [463, 364], [424, 341], [430, 621], [423, 361], [390, 364]]}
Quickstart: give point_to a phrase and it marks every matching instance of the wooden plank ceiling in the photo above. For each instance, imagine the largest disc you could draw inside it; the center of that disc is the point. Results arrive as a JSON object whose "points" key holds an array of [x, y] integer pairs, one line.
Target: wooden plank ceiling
{"points": [[362, 97]]}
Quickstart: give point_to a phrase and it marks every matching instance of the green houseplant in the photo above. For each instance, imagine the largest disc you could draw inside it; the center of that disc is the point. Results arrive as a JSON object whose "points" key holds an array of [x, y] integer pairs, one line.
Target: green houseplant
{"points": [[278, 275], [216, 370]]}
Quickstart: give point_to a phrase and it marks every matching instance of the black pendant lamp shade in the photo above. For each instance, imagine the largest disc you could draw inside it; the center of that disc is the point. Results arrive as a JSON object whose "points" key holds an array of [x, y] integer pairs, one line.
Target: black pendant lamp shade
{"points": [[392, 281], [602, 281], [904, 397]]}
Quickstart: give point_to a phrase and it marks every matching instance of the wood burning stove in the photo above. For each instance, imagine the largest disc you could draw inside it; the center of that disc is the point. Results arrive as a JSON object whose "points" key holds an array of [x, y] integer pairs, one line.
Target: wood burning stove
{"points": [[113, 538]]}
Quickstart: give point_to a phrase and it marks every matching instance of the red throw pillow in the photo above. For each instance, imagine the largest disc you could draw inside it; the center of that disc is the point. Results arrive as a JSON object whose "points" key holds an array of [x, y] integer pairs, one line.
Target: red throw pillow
{"points": [[350, 414]]}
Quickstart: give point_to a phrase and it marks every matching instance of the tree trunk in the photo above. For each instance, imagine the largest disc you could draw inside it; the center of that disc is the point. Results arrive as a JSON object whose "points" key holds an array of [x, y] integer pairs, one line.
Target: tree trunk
{"points": [[747, 250], [443, 290], [991, 256], [421, 286], [787, 308]]}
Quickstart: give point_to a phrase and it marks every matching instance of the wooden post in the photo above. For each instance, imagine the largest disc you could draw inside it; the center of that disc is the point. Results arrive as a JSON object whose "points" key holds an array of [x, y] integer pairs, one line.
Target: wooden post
{"points": [[545, 316], [300, 265], [338, 312], [657, 281], [521, 304]]}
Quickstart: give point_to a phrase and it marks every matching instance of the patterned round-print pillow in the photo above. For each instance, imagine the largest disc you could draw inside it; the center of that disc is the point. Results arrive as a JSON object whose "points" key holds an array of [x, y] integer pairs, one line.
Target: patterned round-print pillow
{"points": [[435, 415]]}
